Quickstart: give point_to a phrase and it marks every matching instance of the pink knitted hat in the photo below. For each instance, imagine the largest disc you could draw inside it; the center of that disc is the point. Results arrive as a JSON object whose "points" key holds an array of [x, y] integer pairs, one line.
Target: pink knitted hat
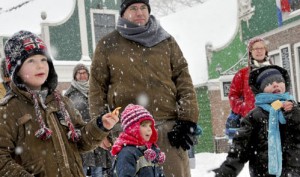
{"points": [[132, 114]]}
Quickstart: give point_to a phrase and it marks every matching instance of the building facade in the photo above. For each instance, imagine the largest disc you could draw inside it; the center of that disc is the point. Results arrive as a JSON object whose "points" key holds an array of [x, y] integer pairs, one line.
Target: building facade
{"points": [[280, 27]]}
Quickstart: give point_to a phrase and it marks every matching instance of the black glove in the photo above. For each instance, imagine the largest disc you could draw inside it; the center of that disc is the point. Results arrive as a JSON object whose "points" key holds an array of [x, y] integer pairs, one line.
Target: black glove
{"points": [[180, 135]]}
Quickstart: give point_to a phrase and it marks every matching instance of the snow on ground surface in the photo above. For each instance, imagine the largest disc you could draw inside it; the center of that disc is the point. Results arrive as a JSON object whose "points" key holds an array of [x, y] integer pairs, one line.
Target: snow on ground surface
{"points": [[207, 161]]}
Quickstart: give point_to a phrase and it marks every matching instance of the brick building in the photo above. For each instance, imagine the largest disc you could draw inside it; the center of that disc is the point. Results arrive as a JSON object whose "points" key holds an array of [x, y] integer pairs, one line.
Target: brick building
{"points": [[257, 18]]}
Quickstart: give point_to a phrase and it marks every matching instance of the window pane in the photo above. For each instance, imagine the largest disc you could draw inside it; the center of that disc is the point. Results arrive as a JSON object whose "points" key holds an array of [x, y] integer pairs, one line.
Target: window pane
{"points": [[295, 5], [103, 24]]}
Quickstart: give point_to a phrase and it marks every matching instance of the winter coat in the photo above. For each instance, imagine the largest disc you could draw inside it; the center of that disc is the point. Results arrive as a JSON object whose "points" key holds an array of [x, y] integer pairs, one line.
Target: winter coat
{"points": [[23, 154], [80, 101], [2, 90], [241, 98], [123, 71], [131, 162], [251, 144]]}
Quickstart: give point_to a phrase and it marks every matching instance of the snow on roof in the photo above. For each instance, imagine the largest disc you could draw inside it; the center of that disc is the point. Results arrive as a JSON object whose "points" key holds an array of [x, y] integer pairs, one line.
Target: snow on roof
{"points": [[28, 16], [215, 22]]}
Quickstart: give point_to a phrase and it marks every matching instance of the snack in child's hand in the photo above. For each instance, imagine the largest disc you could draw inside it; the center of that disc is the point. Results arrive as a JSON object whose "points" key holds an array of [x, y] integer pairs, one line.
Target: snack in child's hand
{"points": [[276, 104], [116, 111]]}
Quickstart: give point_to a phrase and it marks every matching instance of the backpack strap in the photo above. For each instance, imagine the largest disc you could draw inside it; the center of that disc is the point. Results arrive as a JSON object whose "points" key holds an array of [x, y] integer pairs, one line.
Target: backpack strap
{"points": [[141, 163]]}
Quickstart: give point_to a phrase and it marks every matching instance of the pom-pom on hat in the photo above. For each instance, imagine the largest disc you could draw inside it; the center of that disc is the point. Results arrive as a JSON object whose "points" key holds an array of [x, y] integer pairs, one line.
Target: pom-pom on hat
{"points": [[261, 77], [126, 3]]}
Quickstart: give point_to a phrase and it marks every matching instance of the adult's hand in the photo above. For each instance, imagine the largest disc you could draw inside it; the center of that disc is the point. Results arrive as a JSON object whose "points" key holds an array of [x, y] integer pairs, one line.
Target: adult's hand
{"points": [[109, 120]]}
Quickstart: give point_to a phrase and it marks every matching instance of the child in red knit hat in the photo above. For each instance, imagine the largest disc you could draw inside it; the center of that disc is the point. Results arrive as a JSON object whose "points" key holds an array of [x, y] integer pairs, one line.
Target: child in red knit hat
{"points": [[135, 149]]}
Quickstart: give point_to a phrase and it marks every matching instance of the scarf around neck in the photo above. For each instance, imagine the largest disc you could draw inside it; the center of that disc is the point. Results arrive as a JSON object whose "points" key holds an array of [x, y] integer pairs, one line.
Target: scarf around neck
{"points": [[264, 101], [149, 35], [82, 86]]}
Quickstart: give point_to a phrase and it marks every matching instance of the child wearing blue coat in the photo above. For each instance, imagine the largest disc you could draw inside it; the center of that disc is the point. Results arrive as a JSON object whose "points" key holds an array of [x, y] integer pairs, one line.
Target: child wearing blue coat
{"points": [[135, 149]]}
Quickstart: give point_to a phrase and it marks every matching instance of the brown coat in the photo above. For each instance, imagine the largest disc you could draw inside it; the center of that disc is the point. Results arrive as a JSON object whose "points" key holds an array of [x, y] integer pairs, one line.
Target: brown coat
{"points": [[123, 70], [22, 154], [2, 90]]}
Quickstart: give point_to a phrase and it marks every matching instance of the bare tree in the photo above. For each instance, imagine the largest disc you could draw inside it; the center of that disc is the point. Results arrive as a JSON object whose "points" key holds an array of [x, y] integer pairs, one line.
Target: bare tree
{"points": [[162, 8]]}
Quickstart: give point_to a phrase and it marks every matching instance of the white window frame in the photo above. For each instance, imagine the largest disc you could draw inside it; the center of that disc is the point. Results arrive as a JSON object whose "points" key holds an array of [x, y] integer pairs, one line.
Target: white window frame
{"points": [[222, 79], [289, 15], [297, 67], [291, 65], [275, 52]]}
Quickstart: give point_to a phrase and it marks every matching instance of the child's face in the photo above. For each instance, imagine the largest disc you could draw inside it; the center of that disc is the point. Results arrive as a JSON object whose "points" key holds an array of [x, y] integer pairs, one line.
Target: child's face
{"points": [[34, 71], [275, 87], [145, 130]]}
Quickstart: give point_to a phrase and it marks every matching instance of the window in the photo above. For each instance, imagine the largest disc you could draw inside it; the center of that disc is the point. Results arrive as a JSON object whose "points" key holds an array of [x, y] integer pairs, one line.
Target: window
{"points": [[275, 59], [103, 22], [297, 67], [295, 5], [293, 9], [225, 82]]}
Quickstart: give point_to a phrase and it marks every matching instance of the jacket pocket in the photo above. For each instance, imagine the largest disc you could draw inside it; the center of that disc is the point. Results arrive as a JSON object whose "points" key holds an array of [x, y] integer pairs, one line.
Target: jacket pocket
{"points": [[24, 119], [31, 161]]}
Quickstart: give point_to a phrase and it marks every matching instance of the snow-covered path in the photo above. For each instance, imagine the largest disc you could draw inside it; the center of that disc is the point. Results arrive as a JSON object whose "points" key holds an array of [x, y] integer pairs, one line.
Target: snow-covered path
{"points": [[208, 161]]}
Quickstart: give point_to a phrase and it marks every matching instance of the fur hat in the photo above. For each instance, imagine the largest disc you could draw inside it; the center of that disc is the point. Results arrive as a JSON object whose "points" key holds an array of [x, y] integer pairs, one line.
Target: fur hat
{"points": [[18, 48], [261, 77], [127, 3], [78, 67], [251, 60]]}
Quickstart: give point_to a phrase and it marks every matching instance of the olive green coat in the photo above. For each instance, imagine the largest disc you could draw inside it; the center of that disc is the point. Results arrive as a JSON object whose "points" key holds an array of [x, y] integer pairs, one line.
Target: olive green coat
{"points": [[124, 71], [22, 154]]}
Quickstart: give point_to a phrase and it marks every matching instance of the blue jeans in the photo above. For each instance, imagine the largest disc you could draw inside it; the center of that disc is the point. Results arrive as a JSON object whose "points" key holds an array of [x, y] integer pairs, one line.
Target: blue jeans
{"points": [[95, 171]]}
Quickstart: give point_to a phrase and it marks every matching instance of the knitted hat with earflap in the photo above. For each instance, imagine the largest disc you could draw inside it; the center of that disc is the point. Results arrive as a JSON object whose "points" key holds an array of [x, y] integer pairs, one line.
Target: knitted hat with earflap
{"points": [[18, 48], [131, 118], [261, 77], [4, 74], [78, 67], [252, 63], [126, 3]]}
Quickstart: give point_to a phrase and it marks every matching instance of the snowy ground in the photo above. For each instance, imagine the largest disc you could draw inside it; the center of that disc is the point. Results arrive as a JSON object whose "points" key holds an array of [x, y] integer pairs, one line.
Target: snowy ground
{"points": [[208, 161]]}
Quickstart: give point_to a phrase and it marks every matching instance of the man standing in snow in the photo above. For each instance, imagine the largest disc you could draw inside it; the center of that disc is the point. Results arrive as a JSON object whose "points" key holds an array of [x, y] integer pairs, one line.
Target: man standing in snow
{"points": [[141, 63]]}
